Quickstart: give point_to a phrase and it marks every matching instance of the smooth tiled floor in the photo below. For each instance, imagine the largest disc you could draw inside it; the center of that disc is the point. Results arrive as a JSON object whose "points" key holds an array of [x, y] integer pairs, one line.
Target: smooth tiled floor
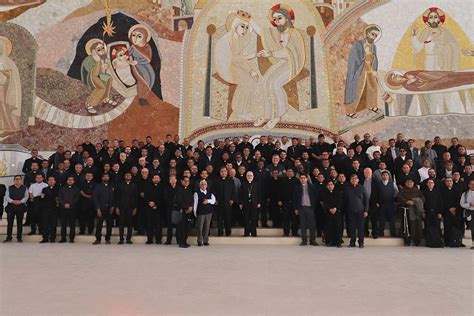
{"points": [[81, 279]]}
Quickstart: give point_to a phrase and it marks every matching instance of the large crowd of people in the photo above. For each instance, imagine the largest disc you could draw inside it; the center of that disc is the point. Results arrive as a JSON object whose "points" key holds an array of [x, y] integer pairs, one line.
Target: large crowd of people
{"points": [[307, 187]]}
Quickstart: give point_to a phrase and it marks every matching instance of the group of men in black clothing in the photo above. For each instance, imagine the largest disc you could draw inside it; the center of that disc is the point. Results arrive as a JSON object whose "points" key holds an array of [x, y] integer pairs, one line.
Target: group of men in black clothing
{"points": [[300, 185]]}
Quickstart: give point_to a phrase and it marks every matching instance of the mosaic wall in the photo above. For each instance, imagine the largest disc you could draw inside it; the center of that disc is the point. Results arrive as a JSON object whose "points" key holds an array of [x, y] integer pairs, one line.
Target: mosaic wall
{"points": [[128, 69]]}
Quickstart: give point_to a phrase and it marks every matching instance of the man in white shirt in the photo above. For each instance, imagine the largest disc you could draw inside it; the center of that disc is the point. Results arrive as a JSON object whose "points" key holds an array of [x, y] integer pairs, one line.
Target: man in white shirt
{"points": [[35, 197], [203, 207], [467, 203], [375, 147], [423, 171]]}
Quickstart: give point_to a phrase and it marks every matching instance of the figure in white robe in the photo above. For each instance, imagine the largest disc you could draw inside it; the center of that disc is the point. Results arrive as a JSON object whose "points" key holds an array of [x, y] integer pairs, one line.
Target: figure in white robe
{"points": [[236, 65], [441, 52], [10, 90]]}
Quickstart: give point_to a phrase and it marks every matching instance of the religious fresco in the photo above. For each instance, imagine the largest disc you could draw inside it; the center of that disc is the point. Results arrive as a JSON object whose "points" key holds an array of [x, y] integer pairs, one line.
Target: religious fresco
{"points": [[206, 68]]}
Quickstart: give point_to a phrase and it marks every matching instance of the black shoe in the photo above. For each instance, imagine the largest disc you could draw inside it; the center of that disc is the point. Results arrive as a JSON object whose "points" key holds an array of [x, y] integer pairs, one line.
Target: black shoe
{"points": [[158, 242], [121, 242], [19, 240], [206, 244], [62, 241], [71, 241], [351, 245], [129, 242], [97, 242], [375, 236], [313, 243], [286, 235], [168, 242], [303, 243], [149, 242], [339, 246], [361, 246], [43, 241], [107, 242], [199, 244], [31, 233], [184, 246], [7, 240], [52, 241]]}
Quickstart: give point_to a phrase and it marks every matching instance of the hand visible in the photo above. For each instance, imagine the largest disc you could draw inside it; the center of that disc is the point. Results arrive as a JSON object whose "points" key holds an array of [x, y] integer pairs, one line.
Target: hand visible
{"points": [[134, 212], [117, 210], [99, 213], [205, 202], [296, 212], [366, 214], [258, 205]]}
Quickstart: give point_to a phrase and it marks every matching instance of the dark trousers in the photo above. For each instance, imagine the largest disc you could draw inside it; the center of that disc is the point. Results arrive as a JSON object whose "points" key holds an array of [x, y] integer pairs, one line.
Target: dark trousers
{"points": [[86, 216], [224, 218], [35, 216], [49, 219], [276, 214], [237, 216], [125, 220], [374, 218], [333, 231], [12, 212], [290, 219], [183, 228], [263, 214], [307, 221], [109, 222], [153, 224], [356, 226], [250, 219], [387, 213], [452, 228], [320, 217], [68, 218], [140, 220], [169, 226]]}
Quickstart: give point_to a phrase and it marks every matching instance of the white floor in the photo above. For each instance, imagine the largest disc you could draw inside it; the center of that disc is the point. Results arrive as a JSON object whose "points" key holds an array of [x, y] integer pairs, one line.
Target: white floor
{"points": [[82, 279]]}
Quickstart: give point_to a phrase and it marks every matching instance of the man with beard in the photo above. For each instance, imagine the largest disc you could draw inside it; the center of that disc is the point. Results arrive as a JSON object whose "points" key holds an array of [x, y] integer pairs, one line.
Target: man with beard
{"points": [[361, 81], [441, 52], [93, 73], [284, 45]]}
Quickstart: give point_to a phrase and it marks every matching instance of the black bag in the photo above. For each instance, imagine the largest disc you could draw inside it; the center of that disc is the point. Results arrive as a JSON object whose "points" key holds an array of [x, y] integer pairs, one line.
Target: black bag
{"points": [[176, 216]]}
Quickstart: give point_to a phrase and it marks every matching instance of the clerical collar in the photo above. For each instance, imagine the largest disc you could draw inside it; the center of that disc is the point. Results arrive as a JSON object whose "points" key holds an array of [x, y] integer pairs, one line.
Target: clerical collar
{"points": [[203, 191]]}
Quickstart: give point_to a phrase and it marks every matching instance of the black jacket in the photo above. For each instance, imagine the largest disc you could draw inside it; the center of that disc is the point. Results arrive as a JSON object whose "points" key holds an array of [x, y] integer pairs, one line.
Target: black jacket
{"points": [[253, 189], [298, 195], [50, 199], [126, 196], [155, 193], [68, 194], [355, 199], [224, 190], [332, 200], [103, 196]]}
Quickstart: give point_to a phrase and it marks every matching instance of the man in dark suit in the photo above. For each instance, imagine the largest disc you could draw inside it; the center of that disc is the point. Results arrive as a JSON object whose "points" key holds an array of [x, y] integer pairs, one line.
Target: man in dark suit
{"points": [[17, 196], [304, 202], [154, 201], [250, 201], [68, 199], [226, 194], [103, 199], [356, 204], [126, 195]]}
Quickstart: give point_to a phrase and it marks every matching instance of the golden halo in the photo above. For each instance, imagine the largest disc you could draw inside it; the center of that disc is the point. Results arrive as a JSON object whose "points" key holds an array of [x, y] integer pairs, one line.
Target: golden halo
{"points": [[388, 83], [137, 26], [92, 42], [8, 44], [378, 27]]}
